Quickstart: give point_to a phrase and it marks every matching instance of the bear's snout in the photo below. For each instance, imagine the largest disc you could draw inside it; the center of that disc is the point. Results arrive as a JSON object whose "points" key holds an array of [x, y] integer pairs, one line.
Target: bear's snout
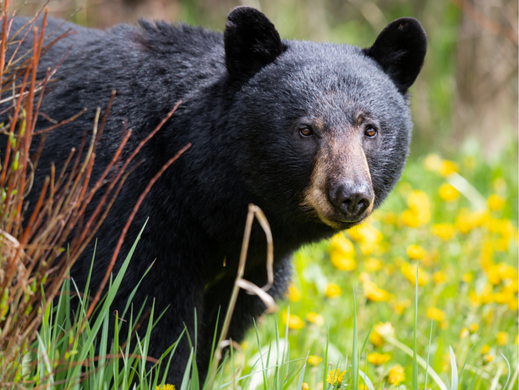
{"points": [[351, 199]]}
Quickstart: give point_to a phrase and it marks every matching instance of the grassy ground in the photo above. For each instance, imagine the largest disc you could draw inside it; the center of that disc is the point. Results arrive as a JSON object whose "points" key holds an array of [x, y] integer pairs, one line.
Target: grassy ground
{"points": [[458, 222]]}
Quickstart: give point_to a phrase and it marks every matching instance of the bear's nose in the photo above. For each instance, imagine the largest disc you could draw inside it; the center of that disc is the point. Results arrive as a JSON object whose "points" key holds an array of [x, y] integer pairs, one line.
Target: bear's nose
{"points": [[351, 199]]}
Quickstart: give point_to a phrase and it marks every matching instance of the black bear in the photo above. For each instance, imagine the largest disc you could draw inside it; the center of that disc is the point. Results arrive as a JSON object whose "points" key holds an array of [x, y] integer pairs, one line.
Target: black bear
{"points": [[315, 134]]}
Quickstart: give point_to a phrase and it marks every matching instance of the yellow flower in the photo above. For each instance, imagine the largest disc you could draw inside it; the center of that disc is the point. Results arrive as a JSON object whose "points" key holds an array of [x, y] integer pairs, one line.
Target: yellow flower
{"points": [[374, 293], [502, 338], [305, 386], [513, 305], [396, 375], [377, 359], [473, 328], [332, 290], [445, 231], [504, 296], [486, 295], [342, 244], [432, 162], [435, 314], [335, 376], [448, 193], [293, 321], [390, 218], [439, 277], [315, 318], [373, 265], [464, 333], [447, 168], [367, 236], [485, 349], [488, 358], [341, 262], [410, 218], [293, 294], [495, 202], [381, 330], [165, 387], [479, 218], [314, 360], [418, 200], [342, 254], [464, 221], [400, 306], [474, 298], [467, 278], [409, 271], [415, 252]]}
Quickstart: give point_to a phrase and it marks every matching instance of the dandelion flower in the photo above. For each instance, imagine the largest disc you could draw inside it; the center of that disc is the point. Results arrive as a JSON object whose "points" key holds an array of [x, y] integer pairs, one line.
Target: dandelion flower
{"points": [[396, 375], [447, 168], [165, 387], [373, 265], [467, 278], [314, 360], [335, 377], [439, 277], [333, 290], [400, 306], [315, 318], [464, 333], [485, 349], [381, 330], [305, 386], [448, 193], [374, 293], [488, 358], [502, 338], [496, 202], [415, 252], [473, 328], [435, 314], [409, 271], [377, 359], [432, 162], [342, 262], [293, 294], [445, 231], [293, 321]]}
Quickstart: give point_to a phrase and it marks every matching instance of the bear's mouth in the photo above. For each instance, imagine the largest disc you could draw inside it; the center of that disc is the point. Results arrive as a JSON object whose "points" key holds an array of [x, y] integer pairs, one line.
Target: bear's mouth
{"points": [[340, 224]]}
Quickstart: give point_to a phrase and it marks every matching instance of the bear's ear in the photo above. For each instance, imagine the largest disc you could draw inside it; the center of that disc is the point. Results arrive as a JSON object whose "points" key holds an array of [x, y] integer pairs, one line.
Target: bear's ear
{"points": [[400, 50], [251, 42]]}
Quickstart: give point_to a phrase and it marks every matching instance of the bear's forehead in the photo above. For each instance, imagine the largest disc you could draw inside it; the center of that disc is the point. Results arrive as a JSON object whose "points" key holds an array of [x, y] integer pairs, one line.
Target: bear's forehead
{"points": [[330, 68]]}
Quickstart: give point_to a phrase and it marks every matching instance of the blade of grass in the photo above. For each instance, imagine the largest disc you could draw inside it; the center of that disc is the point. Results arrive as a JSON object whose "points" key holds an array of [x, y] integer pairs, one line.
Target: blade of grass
{"points": [[366, 380], [415, 364], [428, 355], [355, 352], [419, 359], [326, 359], [454, 370], [508, 371]]}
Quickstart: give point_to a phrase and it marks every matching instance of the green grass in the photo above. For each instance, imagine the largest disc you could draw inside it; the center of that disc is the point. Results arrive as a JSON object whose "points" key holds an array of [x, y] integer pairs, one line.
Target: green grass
{"points": [[471, 283]]}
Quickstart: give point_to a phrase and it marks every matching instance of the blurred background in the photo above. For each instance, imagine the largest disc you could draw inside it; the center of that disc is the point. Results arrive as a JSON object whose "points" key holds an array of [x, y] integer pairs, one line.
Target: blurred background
{"points": [[466, 96]]}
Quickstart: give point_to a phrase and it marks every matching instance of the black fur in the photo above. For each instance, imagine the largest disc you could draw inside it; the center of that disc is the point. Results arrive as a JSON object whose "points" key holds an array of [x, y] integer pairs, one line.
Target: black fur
{"points": [[242, 92]]}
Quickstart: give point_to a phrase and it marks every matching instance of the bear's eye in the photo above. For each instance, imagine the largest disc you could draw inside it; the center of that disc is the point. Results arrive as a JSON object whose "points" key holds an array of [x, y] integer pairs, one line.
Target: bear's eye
{"points": [[370, 132], [305, 131]]}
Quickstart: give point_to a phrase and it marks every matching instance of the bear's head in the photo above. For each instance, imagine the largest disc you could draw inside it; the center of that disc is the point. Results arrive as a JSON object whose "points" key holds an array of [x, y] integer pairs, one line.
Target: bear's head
{"points": [[323, 130]]}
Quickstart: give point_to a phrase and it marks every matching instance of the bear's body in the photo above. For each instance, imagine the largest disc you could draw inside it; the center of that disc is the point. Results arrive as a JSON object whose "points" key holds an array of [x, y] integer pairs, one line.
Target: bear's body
{"points": [[315, 134]]}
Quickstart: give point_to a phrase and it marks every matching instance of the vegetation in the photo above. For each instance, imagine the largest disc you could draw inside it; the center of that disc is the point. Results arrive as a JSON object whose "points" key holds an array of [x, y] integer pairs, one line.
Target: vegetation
{"points": [[423, 295]]}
